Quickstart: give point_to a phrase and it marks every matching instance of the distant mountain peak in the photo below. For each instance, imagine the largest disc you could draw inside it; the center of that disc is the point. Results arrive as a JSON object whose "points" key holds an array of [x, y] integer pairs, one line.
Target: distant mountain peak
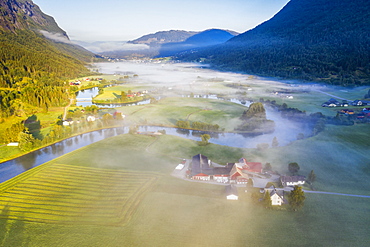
{"points": [[163, 37]]}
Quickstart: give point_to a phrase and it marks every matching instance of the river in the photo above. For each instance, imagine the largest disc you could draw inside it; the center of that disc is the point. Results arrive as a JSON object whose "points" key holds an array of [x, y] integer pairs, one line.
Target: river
{"points": [[286, 131]]}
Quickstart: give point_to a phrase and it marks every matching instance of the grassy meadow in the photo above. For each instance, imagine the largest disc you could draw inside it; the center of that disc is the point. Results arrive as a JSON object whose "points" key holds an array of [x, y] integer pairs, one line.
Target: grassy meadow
{"points": [[169, 110], [119, 192]]}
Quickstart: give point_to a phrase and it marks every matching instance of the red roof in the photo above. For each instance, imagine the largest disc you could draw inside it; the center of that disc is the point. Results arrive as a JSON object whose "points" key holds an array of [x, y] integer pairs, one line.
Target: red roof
{"points": [[253, 167], [201, 175]]}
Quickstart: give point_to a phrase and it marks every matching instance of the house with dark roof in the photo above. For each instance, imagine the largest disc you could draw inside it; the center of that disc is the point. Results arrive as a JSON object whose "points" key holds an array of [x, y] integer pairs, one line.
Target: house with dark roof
{"points": [[203, 169], [200, 168], [222, 174], [292, 180], [277, 196]]}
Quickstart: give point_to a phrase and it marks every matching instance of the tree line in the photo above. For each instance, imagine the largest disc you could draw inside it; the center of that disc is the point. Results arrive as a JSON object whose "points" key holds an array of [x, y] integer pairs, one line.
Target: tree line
{"points": [[197, 125]]}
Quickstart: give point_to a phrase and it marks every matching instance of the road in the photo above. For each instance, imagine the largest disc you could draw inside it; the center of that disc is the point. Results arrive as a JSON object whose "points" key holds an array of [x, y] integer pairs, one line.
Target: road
{"points": [[331, 95], [66, 109], [332, 193]]}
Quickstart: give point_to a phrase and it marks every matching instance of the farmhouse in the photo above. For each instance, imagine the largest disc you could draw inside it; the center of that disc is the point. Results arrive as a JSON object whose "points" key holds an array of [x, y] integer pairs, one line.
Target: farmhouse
{"points": [[243, 169], [200, 168], [277, 196], [236, 173], [292, 180]]}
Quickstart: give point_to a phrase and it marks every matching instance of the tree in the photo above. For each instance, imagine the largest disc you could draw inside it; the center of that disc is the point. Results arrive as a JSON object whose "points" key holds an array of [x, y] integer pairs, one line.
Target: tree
{"points": [[123, 96], [26, 141], [311, 177], [268, 167], [275, 142], [107, 118], [293, 168], [296, 198], [255, 110], [267, 203], [205, 139]]}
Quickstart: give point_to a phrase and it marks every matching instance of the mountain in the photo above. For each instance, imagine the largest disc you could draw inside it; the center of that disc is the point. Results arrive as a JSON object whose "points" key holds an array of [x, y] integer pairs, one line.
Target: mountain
{"points": [[168, 43], [33, 45], [202, 39], [36, 57], [315, 40], [163, 37], [23, 14]]}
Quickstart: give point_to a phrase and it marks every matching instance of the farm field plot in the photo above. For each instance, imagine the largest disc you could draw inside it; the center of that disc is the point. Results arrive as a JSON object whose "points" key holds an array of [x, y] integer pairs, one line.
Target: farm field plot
{"points": [[67, 194]]}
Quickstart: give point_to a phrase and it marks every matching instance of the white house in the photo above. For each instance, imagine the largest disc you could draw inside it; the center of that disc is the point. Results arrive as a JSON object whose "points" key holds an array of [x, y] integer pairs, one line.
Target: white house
{"points": [[277, 197]]}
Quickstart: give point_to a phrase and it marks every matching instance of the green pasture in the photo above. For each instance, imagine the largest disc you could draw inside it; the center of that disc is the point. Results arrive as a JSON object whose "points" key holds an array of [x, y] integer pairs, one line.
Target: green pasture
{"points": [[114, 92], [169, 110], [172, 212]]}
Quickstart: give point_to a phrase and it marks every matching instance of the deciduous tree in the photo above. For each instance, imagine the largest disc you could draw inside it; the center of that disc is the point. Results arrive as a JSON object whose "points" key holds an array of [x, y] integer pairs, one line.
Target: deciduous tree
{"points": [[293, 168]]}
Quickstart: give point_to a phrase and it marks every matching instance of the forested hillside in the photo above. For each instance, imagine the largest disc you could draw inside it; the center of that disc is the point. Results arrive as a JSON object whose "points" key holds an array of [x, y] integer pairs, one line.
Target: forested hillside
{"points": [[33, 68], [325, 40]]}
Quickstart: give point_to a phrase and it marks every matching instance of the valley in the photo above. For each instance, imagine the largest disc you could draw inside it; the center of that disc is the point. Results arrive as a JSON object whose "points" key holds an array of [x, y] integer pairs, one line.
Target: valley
{"points": [[142, 204], [238, 123]]}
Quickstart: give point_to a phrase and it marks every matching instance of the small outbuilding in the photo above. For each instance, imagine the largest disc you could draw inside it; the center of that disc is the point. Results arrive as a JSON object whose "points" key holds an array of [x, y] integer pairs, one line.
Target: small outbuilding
{"points": [[13, 144], [232, 192]]}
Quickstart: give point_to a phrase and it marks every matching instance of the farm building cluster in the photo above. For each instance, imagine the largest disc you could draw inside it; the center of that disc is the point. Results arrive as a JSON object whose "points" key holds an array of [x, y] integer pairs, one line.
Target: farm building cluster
{"points": [[78, 82], [237, 174], [203, 169], [335, 103]]}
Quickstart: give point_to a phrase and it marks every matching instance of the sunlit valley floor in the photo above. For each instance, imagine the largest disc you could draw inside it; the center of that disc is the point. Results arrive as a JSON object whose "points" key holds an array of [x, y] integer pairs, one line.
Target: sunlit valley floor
{"points": [[120, 190]]}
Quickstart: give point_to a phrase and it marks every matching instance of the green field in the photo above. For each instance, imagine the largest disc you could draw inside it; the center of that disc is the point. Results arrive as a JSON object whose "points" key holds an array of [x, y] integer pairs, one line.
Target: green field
{"points": [[169, 110], [64, 194], [119, 192]]}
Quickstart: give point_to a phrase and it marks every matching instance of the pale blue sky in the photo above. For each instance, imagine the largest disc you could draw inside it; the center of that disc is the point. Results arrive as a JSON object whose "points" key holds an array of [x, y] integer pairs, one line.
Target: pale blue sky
{"points": [[122, 20]]}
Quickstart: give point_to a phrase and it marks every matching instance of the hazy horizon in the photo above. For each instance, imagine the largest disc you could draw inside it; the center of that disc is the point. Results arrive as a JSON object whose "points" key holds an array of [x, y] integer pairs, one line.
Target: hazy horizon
{"points": [[123, 21]]}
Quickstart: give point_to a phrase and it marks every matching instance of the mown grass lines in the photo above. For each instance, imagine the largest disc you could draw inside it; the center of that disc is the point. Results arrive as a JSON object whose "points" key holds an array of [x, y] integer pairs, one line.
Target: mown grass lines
{"points": [[68, 194]]}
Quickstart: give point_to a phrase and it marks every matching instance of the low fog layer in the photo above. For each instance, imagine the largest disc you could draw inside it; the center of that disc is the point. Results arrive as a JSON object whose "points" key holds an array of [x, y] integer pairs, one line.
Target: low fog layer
{"points": [[182, 79], [109, 46]]}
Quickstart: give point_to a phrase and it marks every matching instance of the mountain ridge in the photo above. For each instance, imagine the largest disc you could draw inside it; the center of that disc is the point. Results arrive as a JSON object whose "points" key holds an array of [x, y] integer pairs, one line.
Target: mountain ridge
{"points": [[206, 38], [24, 14], [310, 40]]}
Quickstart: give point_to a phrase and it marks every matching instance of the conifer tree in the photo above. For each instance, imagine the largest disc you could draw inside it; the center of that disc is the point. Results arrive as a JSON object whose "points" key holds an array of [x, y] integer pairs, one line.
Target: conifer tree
{"points": [[296, 198]]}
